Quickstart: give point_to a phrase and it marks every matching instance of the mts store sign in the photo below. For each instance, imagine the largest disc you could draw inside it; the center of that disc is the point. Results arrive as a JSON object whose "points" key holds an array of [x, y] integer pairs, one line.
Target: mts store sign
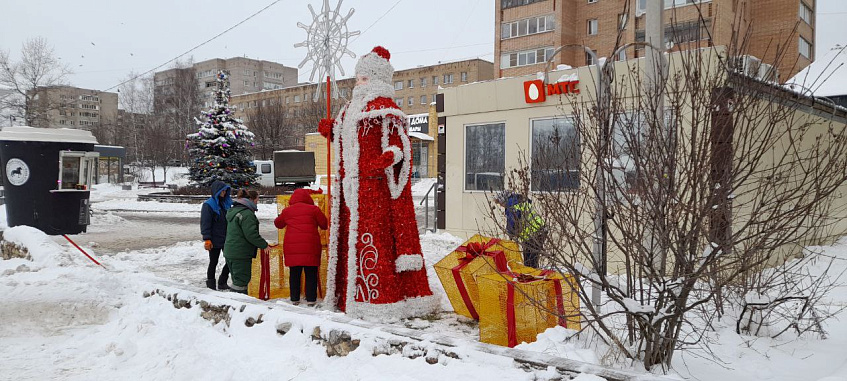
{"points": [[536, 91]]}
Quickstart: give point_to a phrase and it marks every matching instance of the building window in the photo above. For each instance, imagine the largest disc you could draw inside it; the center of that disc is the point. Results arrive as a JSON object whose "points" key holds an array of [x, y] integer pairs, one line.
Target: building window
{"points": [[287, 100], [805, 48], [505, 4], [411, 84], [434, 80], [485, 157], [527, 57], [423, 99], [246, 71], [448, 79], [806, 13], [411, 101], [555, 155], [423, 82], [398, 101], [246, 84], [532, 25], [296, 99], [592, 1], [592, 27], [398, 85], [464, 76]]}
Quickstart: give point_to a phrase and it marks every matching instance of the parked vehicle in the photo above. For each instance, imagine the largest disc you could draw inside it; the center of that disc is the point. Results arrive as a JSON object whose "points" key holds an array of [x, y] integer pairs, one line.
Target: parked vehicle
{"points": [[265, 170], [294, 167]]}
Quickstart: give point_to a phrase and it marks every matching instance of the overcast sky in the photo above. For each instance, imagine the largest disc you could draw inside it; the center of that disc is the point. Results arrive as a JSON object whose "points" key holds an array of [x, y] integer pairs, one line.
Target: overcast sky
{"points": [[103, 40]]}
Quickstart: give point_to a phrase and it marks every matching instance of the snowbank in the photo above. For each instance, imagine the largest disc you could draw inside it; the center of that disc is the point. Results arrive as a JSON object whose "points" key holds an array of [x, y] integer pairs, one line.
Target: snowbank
{"points": [[42, 249]]}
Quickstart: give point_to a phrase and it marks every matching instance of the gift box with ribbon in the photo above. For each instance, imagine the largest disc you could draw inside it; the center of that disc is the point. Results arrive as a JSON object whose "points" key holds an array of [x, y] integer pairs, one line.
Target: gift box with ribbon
{"points": [[478, 256], [273, 266], [516, 305]]}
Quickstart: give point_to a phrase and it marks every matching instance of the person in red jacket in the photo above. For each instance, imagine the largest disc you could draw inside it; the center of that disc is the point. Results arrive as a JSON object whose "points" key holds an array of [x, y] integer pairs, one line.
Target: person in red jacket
{"points": [[302, 243]]}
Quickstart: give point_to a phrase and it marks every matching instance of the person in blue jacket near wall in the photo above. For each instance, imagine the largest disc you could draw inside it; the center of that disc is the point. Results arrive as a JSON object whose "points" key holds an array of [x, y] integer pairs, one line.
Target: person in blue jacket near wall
{"points": [[523, 225], [213, 228]]}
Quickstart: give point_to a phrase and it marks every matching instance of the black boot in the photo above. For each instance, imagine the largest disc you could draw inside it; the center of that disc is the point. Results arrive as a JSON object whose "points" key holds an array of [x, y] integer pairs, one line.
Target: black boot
{"points": [[210, 283], [222, 285]]}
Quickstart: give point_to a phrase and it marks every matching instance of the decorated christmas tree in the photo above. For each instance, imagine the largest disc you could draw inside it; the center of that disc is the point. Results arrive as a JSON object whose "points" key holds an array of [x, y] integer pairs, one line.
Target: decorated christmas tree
{"points": [[218, 150]]}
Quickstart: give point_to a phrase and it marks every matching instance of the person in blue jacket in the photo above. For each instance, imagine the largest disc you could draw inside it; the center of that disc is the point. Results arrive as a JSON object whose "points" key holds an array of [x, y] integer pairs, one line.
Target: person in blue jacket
{"points": [[523, 225], [213, 228]]}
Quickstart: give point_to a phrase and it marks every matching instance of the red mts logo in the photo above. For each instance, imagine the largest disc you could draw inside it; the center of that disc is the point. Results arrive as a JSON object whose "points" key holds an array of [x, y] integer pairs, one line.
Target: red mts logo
{"points": [[536, 91]]}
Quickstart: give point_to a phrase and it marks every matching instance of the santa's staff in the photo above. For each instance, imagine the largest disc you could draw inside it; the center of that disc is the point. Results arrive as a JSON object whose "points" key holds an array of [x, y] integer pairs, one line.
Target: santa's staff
{"points": [[328, 156]]}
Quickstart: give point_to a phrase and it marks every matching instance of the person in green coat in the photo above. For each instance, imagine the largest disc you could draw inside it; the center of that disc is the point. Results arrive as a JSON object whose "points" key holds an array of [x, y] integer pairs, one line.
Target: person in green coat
{"points": [[242, 238]]}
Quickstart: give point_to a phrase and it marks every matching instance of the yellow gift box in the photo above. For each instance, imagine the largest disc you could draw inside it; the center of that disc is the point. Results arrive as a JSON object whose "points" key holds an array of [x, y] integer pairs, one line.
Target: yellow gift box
{"points": [[478, 256], [278, 272], [516, 306], [279, 275]]}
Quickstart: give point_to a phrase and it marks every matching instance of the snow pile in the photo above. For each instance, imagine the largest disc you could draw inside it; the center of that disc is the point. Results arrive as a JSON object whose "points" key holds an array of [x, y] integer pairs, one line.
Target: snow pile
{"points": [[42, 249], [558, 341], [435, 247]]}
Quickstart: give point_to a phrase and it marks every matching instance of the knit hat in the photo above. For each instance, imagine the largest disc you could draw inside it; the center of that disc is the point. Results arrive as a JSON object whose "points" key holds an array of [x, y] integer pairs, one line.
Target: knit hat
{"points": [[375, 65]]}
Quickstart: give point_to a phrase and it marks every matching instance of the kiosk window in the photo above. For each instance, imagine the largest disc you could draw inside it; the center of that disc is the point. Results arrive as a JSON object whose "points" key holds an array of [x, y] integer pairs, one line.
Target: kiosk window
{"points": [[70, 173], [76, 170], [485, 156], [555, 155]]}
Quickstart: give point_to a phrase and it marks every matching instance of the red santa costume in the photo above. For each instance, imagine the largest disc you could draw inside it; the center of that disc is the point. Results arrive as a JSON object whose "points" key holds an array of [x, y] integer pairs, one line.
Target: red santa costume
{"points": [[376, 268]]}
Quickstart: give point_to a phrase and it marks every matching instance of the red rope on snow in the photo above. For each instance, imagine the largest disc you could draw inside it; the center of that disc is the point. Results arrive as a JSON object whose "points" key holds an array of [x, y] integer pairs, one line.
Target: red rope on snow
{"points": [[83, 251]]}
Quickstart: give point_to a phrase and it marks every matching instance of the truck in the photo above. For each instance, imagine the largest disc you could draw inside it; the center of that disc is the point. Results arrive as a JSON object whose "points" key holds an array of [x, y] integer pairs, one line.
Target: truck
{"points": [[265, 170], [293, 167]]}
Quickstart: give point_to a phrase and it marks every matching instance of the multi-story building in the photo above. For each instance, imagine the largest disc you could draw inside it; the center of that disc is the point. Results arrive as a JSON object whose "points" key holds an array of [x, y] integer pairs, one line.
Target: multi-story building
{"points": [[246, 76], [415, 90], [73, 107], [528, 31]]}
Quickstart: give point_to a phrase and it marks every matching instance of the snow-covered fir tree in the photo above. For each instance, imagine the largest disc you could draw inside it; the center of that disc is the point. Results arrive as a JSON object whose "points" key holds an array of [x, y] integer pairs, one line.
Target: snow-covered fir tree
{"points": [[218, 150]]}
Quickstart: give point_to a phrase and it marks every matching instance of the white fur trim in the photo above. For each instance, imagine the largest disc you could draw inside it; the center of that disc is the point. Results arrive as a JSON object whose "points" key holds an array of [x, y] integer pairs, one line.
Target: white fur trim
{"points": [[408, 262], [332, 262], [397, 154], [392, 312], [400, 126]]}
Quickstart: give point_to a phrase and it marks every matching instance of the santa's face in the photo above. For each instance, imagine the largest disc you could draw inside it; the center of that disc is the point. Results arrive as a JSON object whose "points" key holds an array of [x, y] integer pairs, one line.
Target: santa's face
{"points": [[362, 80]]}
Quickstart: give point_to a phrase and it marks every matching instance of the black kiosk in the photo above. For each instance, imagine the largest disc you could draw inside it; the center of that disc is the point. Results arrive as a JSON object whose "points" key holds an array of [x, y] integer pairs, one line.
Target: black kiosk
{"points": [[47, 175]]}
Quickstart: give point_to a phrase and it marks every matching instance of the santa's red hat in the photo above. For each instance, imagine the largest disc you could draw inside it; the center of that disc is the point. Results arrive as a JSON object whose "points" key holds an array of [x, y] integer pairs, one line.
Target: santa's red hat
{"points": [[375, 65]]}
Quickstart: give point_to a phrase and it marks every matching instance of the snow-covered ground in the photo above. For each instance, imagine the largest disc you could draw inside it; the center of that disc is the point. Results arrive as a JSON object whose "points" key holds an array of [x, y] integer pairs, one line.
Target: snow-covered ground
{"points": [[62, 317]]}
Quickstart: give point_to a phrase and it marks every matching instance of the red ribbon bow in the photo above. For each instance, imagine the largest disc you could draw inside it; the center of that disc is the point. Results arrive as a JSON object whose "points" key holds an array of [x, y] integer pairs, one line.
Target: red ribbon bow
{"points": [[473, 250]]}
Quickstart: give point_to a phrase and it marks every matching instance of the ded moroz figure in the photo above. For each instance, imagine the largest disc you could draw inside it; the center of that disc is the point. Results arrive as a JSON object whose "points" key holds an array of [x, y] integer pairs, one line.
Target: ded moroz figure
{"points": [[376, 268]]}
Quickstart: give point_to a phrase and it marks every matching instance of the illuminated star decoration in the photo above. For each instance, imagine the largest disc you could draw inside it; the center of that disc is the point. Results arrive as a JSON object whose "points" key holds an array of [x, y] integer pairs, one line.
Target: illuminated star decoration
{"points": [[326, 40]]}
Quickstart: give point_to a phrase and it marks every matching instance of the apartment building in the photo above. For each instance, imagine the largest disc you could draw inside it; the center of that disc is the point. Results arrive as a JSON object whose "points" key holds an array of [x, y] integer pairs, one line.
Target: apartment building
{"points": [[416, 88], [73, 107], [528, 31], [246, 76]]}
